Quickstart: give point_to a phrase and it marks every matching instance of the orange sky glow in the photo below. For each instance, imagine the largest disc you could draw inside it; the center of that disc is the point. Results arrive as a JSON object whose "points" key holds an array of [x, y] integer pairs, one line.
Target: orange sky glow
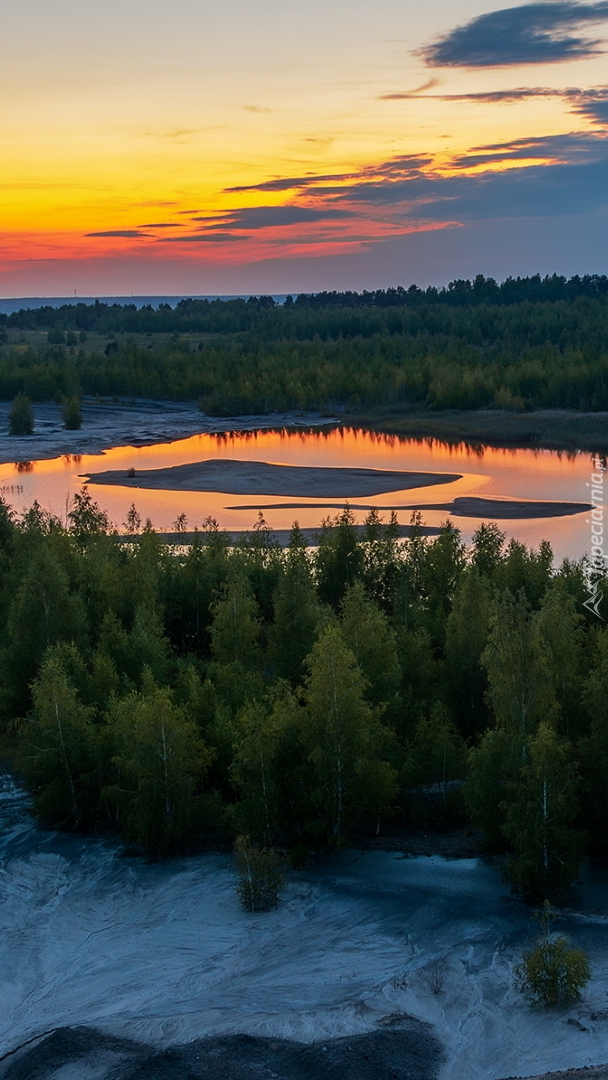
{"points": [[174, 147]]}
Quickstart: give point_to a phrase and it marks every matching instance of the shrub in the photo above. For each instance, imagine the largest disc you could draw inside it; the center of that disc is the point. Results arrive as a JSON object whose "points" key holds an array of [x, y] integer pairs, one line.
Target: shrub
{"points": [[260, 876], [71, 414], [552, 973], [21, 416]]}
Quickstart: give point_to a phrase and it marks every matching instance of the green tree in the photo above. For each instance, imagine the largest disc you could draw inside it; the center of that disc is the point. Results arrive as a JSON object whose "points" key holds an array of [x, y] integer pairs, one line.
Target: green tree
{"points": [[594, 747], [71, 413], [260, 876], [559, 627], [42, 612], [296, 615], [60, 749], [339, 560], [86, 515], [441, 570], [539, 821], [487, 548], [344, 740], [552, 973], [21, 416], [160, 761], [494, 765], [435, 759], [381, 557], [466, 640], [517, 660], [367, 633], [235, 628]]}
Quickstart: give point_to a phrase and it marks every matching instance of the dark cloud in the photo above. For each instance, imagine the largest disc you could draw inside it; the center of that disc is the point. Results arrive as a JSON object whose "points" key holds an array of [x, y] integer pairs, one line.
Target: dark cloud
{"points": [[202, 238], [283, 183], [564, 149], [531, 34], [591, 103], [406, 164], [162, 225], [489, 97], [576, 183], [118, 232], [265, 217]]}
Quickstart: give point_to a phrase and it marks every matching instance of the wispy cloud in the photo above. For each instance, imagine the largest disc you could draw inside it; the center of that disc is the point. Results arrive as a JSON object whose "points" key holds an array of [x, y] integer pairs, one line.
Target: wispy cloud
{"points": [[591, 103], [268, 217], [126, 233], [202, 238], [545, 177], [539, 33], [283, 183]]}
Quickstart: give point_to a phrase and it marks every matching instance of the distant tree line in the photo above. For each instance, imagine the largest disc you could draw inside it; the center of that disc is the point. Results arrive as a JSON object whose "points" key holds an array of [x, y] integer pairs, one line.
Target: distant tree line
{"points": [[184, 696], [523, 356], [263, 314]]}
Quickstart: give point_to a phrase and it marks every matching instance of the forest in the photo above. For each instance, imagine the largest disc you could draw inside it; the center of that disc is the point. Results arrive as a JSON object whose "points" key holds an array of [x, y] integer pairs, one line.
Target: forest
{"points": [[528, 343], [181, 696]]}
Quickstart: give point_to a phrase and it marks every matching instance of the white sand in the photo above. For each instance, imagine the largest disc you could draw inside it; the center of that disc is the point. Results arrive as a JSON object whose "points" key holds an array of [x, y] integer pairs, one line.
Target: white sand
{"points": [[163, 953]]}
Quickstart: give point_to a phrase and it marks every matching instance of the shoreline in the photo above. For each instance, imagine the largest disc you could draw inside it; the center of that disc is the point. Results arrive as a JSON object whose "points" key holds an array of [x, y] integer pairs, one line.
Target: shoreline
{"points": [[141, 423], [547, 429], [144, 422]]}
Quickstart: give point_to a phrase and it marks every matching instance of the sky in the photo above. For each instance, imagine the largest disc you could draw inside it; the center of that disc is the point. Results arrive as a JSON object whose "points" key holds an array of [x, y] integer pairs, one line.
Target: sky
{"points": [[276, 147]]}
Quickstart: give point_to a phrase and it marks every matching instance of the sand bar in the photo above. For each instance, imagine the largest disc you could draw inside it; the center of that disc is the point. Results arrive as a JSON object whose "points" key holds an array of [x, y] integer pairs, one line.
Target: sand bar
{"points": [[263, 478], [463, 506]]}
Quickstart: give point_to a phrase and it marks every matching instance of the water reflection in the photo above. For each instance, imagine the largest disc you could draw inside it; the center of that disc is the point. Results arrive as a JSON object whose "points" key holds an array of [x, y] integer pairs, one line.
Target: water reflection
{"points": [[487, 472]]}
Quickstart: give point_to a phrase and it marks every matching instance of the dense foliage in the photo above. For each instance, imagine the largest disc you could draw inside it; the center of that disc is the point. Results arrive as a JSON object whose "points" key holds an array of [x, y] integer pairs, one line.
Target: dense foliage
{"points": [[552, 973], [181, 695], [528, 343]]}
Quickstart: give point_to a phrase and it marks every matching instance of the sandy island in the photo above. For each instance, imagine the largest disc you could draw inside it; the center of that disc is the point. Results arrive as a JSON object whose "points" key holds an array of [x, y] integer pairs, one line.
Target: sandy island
{"points": [[262, 478], [462, 506]]}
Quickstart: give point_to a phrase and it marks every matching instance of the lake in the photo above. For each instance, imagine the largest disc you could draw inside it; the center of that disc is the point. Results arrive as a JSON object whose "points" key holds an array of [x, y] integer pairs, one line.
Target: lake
{"points": [[486, 472]]}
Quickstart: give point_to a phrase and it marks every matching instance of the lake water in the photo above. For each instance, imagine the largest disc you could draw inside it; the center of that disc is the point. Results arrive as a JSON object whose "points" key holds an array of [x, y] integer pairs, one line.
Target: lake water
{"points": [[486, 472]]}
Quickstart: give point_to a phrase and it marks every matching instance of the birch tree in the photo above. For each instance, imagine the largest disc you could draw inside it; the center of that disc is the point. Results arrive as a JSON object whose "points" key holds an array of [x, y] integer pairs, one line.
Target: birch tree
{"points": [[539, 821], [344, 739]]}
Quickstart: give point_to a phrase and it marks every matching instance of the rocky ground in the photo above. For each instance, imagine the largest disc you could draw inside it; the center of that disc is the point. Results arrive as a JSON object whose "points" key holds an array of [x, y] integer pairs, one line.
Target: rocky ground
{"points": [[408, 1051]]}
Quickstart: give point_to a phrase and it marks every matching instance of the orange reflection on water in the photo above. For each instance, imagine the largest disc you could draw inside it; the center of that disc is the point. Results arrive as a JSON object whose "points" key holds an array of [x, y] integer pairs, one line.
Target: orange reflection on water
{"points": [[487, 471]]}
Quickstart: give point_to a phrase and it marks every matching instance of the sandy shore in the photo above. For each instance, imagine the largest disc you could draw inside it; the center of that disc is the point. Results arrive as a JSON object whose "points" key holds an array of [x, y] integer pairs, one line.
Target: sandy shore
{"points": [[263, 478], [140, 423], [159, 956]]}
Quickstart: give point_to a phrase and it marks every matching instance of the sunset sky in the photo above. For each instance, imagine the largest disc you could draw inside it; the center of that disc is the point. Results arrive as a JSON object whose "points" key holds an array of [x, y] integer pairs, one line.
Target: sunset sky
{"points": [[191, 147]]}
